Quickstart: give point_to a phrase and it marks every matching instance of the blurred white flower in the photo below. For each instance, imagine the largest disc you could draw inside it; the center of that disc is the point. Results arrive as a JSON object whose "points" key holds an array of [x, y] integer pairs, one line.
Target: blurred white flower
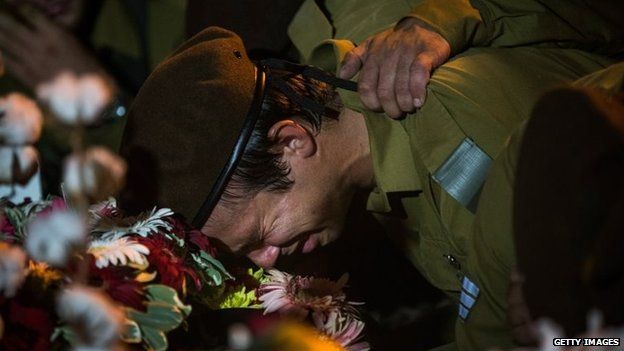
{"points": [[75, 99], [96, 318], [547, 330], [95, 94], [20, 120], [118, 252], [239, 337], [98, 174], [90, 348], [12, 269], [344, 328], [17, 164], [61, 96], [52, 237]]}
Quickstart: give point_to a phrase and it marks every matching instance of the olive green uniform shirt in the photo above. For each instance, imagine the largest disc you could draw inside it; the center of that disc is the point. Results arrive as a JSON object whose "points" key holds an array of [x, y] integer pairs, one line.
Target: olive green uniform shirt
{"points": [[482, 95]]}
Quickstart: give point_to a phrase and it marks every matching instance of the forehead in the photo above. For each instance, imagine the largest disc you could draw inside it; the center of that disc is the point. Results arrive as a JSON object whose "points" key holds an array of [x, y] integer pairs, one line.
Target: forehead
{"points": [[234, 224]]}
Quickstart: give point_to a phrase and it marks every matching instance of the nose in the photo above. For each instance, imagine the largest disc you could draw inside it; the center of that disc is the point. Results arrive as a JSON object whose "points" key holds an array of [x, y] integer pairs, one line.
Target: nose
{"points": [[265, 256]]}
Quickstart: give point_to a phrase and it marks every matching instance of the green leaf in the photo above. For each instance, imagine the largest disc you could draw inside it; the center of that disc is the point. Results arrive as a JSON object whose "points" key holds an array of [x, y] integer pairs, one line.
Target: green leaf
{"points": [[155, 339], [163, 293], [66, 333], [131, 332], [206, 256], [159, 316], [239, 298], [211, 267], [165, 312]]}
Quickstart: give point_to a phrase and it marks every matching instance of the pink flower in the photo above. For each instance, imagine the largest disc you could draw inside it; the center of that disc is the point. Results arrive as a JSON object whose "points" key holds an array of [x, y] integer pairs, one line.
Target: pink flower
{"points": [[300, 295], [57, 204], [344, 328]]}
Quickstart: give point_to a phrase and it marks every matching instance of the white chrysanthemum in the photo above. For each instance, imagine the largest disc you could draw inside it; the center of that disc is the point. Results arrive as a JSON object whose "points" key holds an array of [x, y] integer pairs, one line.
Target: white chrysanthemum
{"points": [[17, 164], [20, 120], [143, 225], [61, 96], [52, 237], [75, 99], [98, 173], [12, 269], [118, 252], [92, 314]]}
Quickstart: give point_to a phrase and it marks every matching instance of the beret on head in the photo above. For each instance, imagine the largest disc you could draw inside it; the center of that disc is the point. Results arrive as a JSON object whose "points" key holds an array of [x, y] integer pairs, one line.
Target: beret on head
{"points": [[191, 115]]}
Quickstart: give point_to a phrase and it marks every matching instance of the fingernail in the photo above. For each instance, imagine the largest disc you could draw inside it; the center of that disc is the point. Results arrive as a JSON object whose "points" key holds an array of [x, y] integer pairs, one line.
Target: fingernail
{"points": [[417, 102]]}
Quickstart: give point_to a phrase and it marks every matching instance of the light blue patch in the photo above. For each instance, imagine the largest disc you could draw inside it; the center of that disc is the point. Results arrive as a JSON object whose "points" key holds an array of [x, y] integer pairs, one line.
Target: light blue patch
{"points": [[467, 300], [463, 173], [470, 287], [463, 312]]}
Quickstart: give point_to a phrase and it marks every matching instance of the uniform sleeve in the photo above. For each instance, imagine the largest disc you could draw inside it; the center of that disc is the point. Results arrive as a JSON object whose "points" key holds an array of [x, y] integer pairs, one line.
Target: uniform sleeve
{"points": [[508, 23]]}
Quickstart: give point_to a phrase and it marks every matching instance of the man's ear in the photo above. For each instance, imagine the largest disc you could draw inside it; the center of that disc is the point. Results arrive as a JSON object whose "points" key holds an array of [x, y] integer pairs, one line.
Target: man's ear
{"points": [[292, 139]]}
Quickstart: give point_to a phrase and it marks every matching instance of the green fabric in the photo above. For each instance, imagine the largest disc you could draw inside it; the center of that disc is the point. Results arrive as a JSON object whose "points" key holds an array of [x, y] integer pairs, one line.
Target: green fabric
{"points": [[610, 79], [116, 30], [485, 94], [504, 23]]}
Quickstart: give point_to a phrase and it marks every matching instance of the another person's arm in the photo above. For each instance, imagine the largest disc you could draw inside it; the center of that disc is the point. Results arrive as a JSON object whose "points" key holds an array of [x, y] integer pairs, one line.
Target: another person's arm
{"points": [[395, 65]]}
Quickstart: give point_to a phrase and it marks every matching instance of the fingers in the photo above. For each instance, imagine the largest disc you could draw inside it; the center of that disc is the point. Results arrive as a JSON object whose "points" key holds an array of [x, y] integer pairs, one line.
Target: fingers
{"points": [[352, 62], [44, 26], [16, 33], [419, 74], [12, 47], [367, 83], [402, 84], [24, 73], [386, 86], [395, 66]]}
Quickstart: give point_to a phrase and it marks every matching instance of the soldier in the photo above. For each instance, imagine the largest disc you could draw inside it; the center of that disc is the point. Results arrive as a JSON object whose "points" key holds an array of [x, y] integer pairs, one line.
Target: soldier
{"points": [[267, 157]]}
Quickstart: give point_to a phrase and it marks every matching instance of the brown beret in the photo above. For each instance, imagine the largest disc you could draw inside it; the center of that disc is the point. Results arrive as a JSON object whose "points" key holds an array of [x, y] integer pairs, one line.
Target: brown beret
{"points": [[189, 124]]}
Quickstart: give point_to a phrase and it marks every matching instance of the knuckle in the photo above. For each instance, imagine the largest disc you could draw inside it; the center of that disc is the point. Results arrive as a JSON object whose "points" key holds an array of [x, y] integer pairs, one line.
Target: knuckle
{"points": [[385, 94], [366, 88], [402, 92]]}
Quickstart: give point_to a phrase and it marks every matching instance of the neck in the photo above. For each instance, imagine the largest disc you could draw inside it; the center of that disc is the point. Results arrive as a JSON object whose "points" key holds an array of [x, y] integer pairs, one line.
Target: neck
{"points": [[352, 151]]}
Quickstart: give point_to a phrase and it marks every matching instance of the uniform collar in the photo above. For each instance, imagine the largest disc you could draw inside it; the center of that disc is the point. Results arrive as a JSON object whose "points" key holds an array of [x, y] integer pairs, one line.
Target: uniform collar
{"points": [[393, 163], [390, 147]]}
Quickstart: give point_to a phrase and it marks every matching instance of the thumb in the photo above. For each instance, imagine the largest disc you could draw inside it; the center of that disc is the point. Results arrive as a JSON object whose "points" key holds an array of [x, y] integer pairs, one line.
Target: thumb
{"points": [[352, 62]]}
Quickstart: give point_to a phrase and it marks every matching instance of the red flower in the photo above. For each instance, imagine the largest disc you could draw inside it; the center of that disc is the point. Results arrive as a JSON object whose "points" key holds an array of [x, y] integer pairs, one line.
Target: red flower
{"points": [[179, 226], [170, 267], [57, 204], [27, 328], [202, 242], [119, 284], [7, 228]]}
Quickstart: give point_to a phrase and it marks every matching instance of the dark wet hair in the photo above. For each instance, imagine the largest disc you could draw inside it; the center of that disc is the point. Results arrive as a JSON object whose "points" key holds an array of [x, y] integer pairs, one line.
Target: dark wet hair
{"points": [[261, 166]]}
